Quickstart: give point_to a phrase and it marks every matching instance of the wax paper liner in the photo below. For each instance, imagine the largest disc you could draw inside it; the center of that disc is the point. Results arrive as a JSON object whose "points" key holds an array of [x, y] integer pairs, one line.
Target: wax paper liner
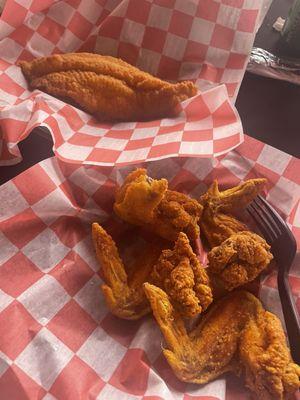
{"points": [[57, 339], [206, 41]]}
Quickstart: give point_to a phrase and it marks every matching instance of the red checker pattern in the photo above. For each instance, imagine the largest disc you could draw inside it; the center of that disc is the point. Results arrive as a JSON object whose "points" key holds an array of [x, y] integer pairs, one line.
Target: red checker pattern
{"points": [[17, 329], [208, 10], [70, 384], [44, 187], [138, 11], [70, 230], [159, 42], [72, 273], [15, 14], [72, 325], [247, 20], [15, 384], [13, 227], [181, 23], [222, 37], [18, 274], [132, 373], [112, 27], [11, 86], [48, 27], [111, 325], [195, 52], [22, 35], [292, 171], [80, 26]]}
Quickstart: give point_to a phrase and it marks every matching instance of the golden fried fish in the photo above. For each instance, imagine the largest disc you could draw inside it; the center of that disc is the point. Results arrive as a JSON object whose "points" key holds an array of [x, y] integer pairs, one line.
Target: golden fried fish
{"points": [[106, 87]]}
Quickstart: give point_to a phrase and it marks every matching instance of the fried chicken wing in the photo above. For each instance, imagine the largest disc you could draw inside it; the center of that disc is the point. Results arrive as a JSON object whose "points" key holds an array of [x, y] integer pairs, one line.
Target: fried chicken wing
{"points": [[217, 222], [106, 87], [122, 290], [238, 260], [236, 334], [147, 202], [181, 275]]}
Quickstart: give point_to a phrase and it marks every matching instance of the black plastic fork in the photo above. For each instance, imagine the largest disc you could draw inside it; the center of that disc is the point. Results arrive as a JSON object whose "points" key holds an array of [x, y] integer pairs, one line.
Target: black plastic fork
{"points": [[283, 246]]}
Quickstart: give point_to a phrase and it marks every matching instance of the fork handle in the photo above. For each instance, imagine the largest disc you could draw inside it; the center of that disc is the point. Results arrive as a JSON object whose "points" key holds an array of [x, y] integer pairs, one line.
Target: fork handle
{"points": [[290, 313]]}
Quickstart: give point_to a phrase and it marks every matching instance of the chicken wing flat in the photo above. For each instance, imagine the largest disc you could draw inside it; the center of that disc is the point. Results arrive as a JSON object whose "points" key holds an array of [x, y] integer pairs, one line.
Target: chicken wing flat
{"points": [[217, 222], [181, 275], [122, 290], [236, 334], [147, 202], [238, 260], [106, 87]]}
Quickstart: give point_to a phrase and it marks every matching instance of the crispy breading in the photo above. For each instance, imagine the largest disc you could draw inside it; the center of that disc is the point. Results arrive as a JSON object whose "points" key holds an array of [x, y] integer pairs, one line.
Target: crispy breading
{"points": [[107, 87], [236, 334], [238, 260], [124, 294], [181, 275], [147, 202], [218, 221]]}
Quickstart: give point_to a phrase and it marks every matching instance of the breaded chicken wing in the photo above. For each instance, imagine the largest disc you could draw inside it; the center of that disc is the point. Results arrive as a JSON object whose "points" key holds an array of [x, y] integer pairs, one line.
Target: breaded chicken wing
{"points": [[236, 334], [217, 222], [122, 290], [181, 275], [238, 260], [147, 202], [106, 87]]}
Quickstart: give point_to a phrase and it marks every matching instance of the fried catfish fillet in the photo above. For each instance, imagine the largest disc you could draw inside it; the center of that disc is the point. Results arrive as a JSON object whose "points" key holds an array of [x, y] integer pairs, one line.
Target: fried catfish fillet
{"points": [[238, 260], [123, 290], [217, 222], [106, 87], [236, 334], [147, 202], [181, 275]]}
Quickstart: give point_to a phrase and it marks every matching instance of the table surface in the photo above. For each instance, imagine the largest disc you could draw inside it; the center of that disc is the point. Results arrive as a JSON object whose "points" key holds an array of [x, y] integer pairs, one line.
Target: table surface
{"points": [[269, 108]]}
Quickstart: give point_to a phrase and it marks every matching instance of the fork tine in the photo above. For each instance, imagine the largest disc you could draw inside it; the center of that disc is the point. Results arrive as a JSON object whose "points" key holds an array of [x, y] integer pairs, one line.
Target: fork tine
{"points": [[261, 224], [265, 209], [276, 217]]}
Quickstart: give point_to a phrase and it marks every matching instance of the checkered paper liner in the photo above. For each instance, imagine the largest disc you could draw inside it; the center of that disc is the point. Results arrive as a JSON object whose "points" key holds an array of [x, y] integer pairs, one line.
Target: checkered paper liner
{"points": [[207, 41], [57, 338]]}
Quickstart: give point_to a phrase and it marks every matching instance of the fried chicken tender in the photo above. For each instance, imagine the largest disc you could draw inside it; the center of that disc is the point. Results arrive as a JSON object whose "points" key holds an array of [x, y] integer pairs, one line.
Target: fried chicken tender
{"points": [[238, 260], [236, 334], [217, 222], [147, 202], [122, 290], [181, 275], [106, 87]]}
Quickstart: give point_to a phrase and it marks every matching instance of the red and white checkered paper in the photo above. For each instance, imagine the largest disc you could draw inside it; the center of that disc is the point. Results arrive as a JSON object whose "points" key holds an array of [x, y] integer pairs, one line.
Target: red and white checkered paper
{"points": [[57, 338], [207, 41]]}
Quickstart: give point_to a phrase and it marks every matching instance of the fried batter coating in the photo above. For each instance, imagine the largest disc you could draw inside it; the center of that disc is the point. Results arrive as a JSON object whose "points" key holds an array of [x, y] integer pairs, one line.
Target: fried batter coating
{"points": [[217, 223], [238, 260], [181, 275], [124, 294], [106, 87], [236, 334], [147, 202]]}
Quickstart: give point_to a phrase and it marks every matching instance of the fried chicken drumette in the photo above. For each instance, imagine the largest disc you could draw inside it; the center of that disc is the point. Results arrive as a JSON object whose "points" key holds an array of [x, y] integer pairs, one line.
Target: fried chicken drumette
{"points": [[122, 290], [147, 202], [181, 275], [106, 87], [236, 334], [238, 260], [217, 221]]}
